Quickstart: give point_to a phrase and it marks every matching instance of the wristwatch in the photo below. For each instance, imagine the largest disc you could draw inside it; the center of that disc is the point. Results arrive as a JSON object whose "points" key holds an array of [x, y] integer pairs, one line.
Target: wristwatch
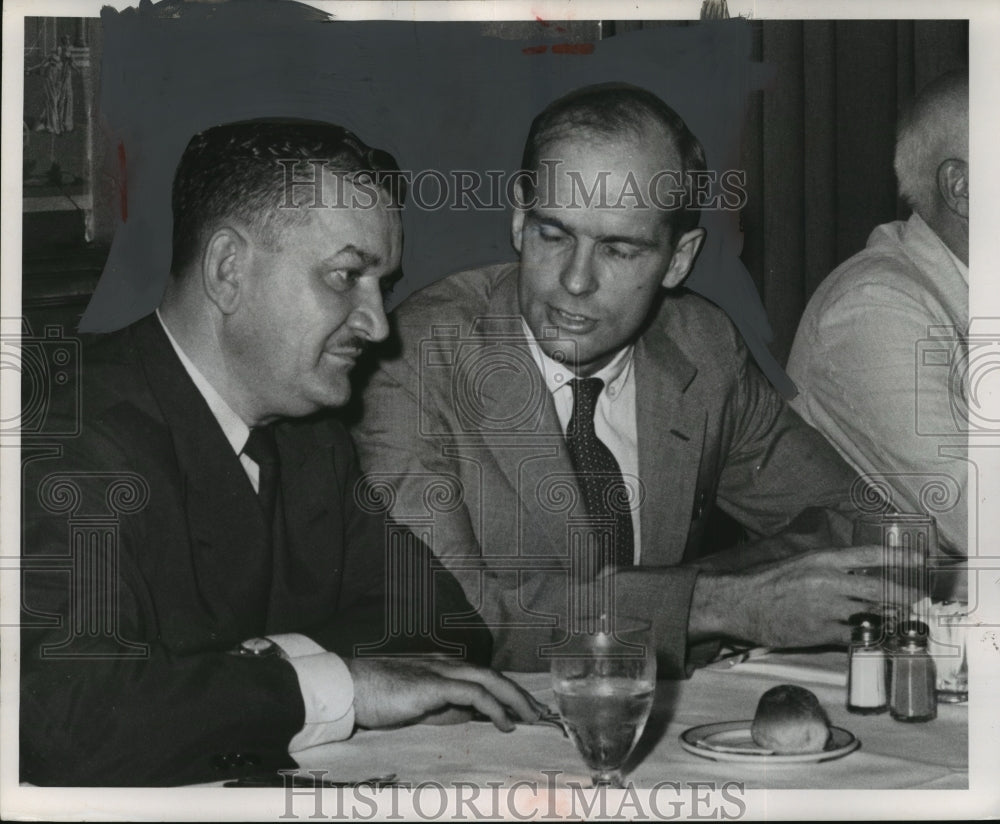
{"points": [[258, 648]]}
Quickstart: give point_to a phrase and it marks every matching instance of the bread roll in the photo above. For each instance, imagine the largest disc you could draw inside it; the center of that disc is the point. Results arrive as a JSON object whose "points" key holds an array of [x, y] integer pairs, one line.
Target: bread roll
{"points": [[790, 719]]}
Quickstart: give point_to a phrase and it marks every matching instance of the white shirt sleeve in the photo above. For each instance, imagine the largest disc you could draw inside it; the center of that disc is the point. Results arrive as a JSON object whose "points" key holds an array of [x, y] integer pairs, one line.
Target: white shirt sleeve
{"points": [[327, 691]]}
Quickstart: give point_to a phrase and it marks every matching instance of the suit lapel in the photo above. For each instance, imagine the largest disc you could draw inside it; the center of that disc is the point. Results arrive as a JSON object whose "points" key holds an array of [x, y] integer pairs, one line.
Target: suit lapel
{"points": [[312, 534], [524, 435], [229, 544], [671, 430]]}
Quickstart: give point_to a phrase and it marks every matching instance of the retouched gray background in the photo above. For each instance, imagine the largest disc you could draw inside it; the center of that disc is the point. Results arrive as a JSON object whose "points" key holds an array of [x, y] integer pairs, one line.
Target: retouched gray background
{"points": [[436, 95]]}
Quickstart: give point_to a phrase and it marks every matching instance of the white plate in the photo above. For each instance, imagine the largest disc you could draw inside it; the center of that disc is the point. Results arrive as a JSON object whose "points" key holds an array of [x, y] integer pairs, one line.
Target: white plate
{"points": [[731, 741]]}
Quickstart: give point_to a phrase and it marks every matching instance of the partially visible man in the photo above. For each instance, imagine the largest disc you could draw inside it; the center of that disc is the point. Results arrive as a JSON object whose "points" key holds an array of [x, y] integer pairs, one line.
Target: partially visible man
{"points": [[857, 360], [583, 390], [202, 582]]}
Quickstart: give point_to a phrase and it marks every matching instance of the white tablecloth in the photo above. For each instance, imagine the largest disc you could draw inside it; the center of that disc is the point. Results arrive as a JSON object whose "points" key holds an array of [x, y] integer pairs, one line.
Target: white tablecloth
{"points": [[893, 755]]}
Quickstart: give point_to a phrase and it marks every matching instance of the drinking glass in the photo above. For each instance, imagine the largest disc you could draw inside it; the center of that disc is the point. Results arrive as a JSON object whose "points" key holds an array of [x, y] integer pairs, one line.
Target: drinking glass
{"points": [[904, 579], [604, 678]]}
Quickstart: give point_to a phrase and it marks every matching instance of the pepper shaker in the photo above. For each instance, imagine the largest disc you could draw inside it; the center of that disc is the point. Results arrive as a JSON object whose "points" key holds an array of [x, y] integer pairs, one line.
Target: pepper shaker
{"points": [[866, 673], [913, 675]]}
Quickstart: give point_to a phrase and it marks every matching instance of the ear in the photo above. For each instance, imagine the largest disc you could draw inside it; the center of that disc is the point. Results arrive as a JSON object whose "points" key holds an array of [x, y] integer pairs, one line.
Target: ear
{"points": [[517, 218], [685, 252], [516, 228], [223, 267], [953, 186]]}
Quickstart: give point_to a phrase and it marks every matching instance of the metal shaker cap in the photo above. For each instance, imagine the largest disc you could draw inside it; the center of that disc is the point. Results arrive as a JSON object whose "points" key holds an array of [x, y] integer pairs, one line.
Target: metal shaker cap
{"points": [[913, 635], [866, 628]]}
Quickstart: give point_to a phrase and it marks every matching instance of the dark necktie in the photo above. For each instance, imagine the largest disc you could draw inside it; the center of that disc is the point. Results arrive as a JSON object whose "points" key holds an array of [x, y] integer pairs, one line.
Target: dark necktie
{"points": [[259, 571], [262, 449], [597, 471]]}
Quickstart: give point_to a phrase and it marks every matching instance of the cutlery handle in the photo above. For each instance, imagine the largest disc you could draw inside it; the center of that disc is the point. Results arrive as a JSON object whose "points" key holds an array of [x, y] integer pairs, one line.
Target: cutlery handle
{"points": [[269, 779]]}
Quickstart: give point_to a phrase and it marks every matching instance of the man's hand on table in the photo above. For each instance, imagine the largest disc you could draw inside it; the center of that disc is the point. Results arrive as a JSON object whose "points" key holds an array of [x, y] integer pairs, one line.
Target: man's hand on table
{"points": [[805, 600], [393, 692]]}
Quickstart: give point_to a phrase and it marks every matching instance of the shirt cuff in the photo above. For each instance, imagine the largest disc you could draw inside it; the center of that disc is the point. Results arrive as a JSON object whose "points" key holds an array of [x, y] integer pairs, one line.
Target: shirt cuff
{"points": [[327, 691]]}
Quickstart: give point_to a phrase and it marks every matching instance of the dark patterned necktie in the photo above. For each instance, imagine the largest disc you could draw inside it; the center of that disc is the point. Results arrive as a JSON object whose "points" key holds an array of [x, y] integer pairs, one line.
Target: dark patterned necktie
{"points": [[598, 473]]}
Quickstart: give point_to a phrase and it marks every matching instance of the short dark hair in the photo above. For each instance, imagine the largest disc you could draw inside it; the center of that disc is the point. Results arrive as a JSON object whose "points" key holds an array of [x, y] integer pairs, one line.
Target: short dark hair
{"points": [[233, 170], [611, 110]]}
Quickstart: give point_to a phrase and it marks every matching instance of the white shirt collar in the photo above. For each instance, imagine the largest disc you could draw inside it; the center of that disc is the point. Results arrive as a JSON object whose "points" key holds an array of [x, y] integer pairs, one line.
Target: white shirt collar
{"points": [[928, 235], [963, 270], [557, 376], [233, 427]]}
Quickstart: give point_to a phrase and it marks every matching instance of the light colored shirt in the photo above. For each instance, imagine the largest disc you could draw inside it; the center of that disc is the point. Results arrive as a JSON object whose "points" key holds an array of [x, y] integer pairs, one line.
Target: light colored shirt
{"points": [[874, 360], [324, 680], [614, 416]]}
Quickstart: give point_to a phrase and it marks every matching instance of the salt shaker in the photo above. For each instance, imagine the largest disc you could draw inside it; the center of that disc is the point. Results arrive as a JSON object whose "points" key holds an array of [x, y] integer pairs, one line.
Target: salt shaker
{"points": [[913, 675], [866, 673]]}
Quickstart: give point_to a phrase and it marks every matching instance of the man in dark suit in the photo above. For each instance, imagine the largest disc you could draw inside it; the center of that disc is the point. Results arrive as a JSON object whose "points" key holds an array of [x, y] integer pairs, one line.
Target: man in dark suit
{"points": [[590, 413], [204, 592]]}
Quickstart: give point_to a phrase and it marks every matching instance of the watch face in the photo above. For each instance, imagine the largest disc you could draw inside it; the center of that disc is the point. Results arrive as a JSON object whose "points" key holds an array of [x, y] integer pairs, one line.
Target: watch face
{"points": [[258, 647]]}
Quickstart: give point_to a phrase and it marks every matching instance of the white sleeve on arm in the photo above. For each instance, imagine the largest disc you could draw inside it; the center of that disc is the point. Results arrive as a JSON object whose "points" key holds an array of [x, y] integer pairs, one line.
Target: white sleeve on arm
{"points": [[327, 691]]}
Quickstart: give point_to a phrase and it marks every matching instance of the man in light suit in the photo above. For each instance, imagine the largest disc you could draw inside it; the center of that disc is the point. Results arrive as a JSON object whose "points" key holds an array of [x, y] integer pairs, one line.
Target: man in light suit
{"points": [[483, 427], [204, 592]]}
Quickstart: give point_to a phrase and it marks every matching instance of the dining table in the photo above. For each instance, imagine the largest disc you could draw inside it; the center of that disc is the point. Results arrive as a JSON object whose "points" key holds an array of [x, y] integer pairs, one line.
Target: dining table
{"points": [[889, 754], [473, 771]]}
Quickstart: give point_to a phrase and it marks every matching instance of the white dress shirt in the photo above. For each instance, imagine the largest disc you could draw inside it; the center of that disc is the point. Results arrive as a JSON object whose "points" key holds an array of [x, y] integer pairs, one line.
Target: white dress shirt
{"points": [[614, 415], [324, 680]]}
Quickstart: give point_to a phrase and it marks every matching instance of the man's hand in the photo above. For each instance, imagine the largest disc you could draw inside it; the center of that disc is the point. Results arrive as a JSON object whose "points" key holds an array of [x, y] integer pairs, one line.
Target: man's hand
{"points": [[392, 692], [800, 601]]}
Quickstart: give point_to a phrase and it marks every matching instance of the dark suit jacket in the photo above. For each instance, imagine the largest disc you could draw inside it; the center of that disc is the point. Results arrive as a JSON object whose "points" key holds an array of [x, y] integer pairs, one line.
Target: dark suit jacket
{"points": [[462, 404], [146, 563]]}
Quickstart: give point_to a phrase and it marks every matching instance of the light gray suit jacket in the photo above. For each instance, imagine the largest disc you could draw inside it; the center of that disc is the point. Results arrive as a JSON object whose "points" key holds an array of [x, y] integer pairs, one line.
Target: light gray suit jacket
{"points": [[461, 439]]}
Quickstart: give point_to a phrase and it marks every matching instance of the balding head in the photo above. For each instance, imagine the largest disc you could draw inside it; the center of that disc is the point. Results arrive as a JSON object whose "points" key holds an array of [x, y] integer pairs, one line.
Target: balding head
{"points": [[620, 113], [932, 158]]}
